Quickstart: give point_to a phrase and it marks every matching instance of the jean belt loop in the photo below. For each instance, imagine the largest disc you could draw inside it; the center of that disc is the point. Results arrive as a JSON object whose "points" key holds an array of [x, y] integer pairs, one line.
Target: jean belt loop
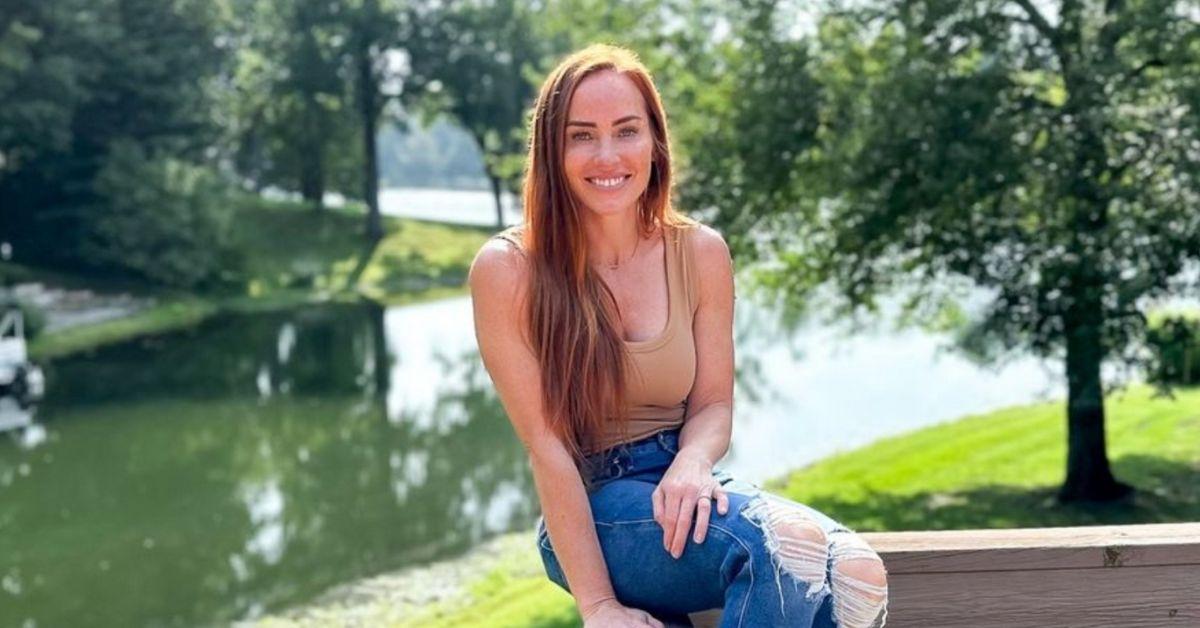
{"points": [[668, 443]]}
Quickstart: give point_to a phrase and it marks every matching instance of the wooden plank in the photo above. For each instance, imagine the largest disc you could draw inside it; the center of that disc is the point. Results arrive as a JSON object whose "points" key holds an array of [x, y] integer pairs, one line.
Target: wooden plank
{"points": [[1099, 547], [1077, 536], [1129, 597], [1091, 576]]}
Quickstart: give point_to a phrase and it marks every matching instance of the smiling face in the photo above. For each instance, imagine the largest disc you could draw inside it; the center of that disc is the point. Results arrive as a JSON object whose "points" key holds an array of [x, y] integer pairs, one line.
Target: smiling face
{"points": [[609, 144]]}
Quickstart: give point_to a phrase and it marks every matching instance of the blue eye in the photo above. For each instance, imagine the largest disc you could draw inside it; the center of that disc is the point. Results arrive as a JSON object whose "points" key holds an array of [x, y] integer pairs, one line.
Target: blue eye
{"points": [[629, 131], [580, 136]]}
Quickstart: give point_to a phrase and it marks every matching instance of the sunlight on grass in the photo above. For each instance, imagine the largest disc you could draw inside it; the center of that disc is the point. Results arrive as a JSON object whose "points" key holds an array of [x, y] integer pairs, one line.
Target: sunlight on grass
{"points": [[995, 470]]}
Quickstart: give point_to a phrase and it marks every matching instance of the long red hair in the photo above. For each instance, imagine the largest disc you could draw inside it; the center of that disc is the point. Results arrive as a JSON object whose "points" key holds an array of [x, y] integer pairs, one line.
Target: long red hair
{"points": [[573, 320]]}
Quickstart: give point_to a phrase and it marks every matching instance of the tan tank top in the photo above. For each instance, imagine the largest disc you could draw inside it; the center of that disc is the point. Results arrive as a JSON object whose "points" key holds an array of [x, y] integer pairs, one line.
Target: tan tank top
{"points": [[662, 369]]}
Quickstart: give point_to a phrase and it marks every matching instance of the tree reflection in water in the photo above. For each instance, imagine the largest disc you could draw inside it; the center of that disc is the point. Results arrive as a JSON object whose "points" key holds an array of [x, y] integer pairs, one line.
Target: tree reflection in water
{"points": [[251, 463]]}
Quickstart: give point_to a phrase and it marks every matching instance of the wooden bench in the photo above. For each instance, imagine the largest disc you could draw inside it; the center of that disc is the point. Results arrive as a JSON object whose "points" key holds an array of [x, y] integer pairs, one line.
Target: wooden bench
{"points": [[1127, 576]]}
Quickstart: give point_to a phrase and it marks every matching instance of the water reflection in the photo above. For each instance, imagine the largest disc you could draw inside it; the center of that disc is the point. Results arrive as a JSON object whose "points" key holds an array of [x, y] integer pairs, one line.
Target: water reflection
{"points": [[16, 417], [249, 464], [259, 459]]}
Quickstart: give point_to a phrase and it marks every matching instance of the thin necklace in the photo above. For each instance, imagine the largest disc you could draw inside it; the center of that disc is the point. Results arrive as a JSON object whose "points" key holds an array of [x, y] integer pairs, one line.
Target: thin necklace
{"points": [[617, 265]]}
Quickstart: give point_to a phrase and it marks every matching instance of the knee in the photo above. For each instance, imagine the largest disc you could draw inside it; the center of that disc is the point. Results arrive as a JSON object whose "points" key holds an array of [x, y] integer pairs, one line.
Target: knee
{"points": [[858, 581], [797, 544]]}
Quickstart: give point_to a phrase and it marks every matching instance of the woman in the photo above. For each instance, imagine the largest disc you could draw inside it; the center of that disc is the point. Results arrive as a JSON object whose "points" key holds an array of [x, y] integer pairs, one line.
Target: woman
{"points": [[605, 322]]}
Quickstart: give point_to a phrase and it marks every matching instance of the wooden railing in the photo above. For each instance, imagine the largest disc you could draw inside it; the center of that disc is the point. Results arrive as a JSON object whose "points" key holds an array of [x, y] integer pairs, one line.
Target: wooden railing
{"points": [[1094, 576]]}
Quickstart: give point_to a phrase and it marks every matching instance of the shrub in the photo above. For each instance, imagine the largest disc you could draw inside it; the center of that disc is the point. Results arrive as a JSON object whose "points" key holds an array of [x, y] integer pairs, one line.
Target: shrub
{"points": [[1174, 342], [163, 219]]}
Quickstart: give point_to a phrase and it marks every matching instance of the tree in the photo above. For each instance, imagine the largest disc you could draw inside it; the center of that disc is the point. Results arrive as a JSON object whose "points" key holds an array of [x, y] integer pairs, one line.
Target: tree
{"points": [[372, 32], [295, 123], [1049, 156], [477, 62], [89, 80]]}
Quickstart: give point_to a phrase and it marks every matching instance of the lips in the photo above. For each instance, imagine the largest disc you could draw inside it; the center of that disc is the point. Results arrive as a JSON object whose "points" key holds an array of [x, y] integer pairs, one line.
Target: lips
{"points": [[608, 183]]}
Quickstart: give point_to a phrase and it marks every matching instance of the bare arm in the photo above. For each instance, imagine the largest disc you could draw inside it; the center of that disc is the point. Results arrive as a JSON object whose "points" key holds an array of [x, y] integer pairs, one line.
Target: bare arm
{"points": [[707, 428], [709, 424], [498, 288]]}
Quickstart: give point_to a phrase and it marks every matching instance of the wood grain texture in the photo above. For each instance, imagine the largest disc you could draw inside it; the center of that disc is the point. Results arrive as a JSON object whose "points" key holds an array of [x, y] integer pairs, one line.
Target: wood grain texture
{"points": [[1091, 576], [1129, 596], [1094, 547]]}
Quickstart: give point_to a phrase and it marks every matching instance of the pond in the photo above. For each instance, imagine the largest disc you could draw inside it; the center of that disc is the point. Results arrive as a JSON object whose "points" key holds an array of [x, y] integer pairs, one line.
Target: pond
{"points": [[254, 461]]}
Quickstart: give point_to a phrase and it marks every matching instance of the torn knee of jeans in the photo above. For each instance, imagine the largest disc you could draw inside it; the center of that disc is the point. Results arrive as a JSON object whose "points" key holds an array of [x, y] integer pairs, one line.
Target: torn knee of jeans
{"points": [[858, 582], [796, 543]]}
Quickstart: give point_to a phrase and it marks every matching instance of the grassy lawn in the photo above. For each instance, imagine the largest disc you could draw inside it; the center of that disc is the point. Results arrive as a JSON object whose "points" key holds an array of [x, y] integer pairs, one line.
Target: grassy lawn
{"points": [[1001, 470], [997, 470], [288, 246], [290, 255]]}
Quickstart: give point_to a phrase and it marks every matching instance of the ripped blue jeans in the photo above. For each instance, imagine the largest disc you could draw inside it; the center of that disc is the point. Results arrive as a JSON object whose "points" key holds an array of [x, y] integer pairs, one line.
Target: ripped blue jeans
{"points": [[767, 562]]}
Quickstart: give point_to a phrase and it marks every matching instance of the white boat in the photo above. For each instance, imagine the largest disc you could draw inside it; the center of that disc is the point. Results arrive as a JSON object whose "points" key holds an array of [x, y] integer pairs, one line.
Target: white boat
{"points": [[19, 378]]}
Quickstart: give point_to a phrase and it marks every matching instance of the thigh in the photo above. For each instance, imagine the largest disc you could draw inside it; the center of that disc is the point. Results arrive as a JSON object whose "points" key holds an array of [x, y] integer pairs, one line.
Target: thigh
{"points": [[643, 574], [750, 491]]}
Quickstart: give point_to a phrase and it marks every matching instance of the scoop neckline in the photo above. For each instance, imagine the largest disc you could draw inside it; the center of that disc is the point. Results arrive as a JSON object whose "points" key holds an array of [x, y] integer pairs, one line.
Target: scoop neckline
{"points": [[665, 335]]}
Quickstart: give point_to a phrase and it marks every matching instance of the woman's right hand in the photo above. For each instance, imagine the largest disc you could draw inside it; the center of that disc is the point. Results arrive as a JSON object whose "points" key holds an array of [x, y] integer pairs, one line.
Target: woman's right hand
{"points": [[611, 614]]}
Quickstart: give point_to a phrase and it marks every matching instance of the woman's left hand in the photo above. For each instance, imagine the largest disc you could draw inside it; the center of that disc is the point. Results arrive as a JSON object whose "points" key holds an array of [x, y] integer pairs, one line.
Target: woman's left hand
{"points": [[688, 487]]}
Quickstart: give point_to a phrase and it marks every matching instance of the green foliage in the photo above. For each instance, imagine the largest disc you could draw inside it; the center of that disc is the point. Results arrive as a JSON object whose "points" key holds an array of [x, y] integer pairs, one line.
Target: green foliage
{"points": [[1174, 341], [38, 88], [160, 218], [1041, 161], [84, 81], [753, 128], [294, 121], [475, 62], [1049, 162]]}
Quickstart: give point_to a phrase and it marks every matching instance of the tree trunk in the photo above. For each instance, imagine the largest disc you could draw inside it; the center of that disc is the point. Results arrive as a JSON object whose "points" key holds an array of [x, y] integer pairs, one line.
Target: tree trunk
{"points": [[383, 360], [499, 206], [368, 95], [1089, 477], [312, 179]]}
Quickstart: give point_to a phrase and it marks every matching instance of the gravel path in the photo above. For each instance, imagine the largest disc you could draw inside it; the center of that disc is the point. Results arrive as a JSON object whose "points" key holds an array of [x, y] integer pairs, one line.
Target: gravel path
{"points": [[392, 598]]}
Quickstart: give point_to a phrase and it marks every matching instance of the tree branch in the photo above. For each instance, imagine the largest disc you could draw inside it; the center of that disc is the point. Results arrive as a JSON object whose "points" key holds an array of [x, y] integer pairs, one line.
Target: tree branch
{"points": [[1039, 21], [1152, 63]]}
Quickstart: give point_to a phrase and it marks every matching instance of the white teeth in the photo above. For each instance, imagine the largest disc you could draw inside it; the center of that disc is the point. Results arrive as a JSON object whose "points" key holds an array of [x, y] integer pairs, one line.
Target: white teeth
{"points": [[608, 183]]}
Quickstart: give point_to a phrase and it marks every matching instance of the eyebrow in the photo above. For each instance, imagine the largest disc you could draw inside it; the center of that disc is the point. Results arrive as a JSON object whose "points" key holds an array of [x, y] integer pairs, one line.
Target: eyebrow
{"points": [[593, 124]]}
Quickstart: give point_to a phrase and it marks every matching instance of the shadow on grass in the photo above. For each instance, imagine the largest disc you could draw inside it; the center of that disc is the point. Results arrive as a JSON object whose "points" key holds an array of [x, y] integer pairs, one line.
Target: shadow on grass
{"points": [[410, 271], [1167, 491]]}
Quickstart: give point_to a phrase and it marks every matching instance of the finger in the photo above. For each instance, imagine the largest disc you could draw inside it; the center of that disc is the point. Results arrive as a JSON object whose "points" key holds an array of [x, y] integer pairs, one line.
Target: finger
{"points": [[670, 520], [651, 621], [722, 501], [703, 511], [686, 508], [656, 498]]}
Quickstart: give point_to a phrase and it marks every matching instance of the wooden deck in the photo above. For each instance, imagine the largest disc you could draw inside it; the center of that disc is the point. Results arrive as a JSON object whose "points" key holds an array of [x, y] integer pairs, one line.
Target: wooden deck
{"points": [[1095, 576]]}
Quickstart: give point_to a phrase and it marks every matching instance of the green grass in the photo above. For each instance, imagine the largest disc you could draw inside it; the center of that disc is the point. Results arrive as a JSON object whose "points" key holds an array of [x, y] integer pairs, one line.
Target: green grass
{"points": [[999, 469], [1002, 470], [159, 318], [512, 594], [288, 246]]}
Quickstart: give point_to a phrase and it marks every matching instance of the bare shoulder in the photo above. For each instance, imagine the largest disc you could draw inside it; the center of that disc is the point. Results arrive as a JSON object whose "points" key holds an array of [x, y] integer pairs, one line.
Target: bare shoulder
{"points": [[710, 251], [499, 270]]}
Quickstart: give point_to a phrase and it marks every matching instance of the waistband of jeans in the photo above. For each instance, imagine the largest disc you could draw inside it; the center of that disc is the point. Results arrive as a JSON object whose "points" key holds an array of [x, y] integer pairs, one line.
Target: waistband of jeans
{"points": [[624, 458]]}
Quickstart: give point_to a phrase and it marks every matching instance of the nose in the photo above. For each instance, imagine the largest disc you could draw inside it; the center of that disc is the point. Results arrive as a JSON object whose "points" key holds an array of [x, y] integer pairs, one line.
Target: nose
{"points": [[606, 151]]}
